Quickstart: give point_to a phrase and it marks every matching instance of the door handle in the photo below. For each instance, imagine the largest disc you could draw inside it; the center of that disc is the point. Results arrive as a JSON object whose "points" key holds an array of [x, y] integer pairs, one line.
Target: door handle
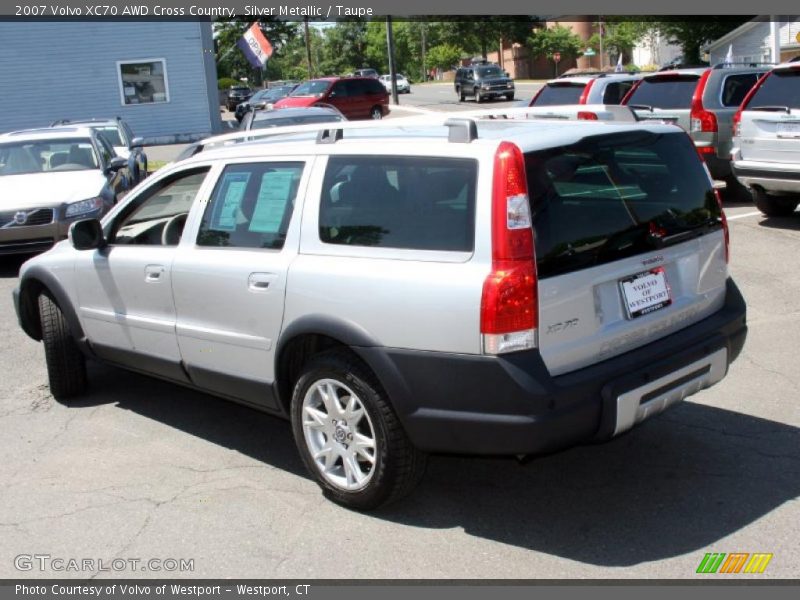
{"points": [[259, 282], [153, 273]]}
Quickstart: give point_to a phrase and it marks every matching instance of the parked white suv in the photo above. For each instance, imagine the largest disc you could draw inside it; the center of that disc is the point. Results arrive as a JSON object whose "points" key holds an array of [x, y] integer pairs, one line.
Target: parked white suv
{"points": [[766, 144], [487, 287]]}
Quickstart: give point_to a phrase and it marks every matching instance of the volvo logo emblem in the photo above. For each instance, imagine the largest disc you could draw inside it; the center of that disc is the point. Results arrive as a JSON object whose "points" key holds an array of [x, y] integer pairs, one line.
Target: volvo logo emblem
{"points": [[20, 217]]}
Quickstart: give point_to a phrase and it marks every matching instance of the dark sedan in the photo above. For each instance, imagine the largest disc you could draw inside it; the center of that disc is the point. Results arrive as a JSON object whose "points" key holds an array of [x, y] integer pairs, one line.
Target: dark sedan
{"points": [[282, 117], [261, 98]]}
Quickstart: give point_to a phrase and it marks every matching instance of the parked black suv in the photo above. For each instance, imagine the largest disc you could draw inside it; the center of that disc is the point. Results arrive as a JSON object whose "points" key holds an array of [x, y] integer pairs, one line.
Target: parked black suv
{"points": [[237, 94], [482, 82]]}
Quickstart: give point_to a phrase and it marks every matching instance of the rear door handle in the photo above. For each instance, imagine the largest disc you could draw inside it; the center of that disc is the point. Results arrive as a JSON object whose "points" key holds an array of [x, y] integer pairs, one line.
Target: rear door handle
{"points": [[153, 273], [260, 282]]}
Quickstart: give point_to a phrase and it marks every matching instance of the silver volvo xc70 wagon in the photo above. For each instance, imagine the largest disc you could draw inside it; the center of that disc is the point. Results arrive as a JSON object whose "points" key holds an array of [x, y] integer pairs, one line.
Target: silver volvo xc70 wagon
{"points": [[485, 287]]}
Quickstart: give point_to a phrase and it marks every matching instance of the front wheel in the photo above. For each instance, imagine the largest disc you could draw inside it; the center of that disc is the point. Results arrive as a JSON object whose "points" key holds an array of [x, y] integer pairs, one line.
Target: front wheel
{"points": [[376, 113], [773, 206], [478, 97], [510, 96], [66, 366], [349, 436], [461, 96]]}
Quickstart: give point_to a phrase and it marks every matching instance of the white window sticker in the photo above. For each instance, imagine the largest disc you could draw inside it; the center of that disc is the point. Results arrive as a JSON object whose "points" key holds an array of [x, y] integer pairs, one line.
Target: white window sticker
{"points": [[228, 213]]}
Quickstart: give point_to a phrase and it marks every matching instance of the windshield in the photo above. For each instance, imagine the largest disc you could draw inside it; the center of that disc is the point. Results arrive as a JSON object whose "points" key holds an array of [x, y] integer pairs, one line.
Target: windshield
{"points": [[112, 134], [266, 123], [44, 156], [670, 92], [311, 88], [278, 93], [489, 72], [616, 195], [554, 94], [781, 88]]}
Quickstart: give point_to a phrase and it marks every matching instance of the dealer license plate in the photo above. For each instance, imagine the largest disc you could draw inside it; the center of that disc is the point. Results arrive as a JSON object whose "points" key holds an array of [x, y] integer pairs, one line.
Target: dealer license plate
{"points": [[789, 130], [645, 292]]}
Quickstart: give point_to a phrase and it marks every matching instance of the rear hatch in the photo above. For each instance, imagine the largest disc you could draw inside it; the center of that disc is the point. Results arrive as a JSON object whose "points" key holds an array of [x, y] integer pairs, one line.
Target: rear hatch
{"points": [[770, 119], [664, 97], [629, 242], [556, 93]]}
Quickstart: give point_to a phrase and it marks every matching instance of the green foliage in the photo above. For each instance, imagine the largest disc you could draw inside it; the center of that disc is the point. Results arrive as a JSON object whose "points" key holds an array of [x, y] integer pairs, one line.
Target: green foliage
{"points": [[692, 35], [544, 42], [443, 56], [224, 83], [482, 35]]}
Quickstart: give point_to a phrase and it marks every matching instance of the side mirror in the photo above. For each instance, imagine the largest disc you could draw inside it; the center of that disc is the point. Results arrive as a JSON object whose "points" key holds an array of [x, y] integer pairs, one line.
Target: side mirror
{"points": [[116, 164], [136, 142], [86, 235]]}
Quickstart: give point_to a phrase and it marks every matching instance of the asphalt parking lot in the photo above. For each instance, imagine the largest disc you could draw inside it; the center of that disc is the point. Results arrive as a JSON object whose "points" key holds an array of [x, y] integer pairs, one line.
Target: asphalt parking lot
{"points": [[143, 469]]}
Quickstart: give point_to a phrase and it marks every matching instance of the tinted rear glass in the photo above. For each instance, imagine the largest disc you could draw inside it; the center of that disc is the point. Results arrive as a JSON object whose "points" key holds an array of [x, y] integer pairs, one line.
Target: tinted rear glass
{"points": [[554, 95], [781, 88], [613, 196], [736, 87], [399, 202], [615, 92], [665, 92]]}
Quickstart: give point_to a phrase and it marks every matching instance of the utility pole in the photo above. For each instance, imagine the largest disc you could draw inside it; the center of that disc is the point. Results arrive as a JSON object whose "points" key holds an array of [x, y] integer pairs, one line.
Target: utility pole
{"points": [[601, 42], [392, 71], [308, 48], [424, 70]]}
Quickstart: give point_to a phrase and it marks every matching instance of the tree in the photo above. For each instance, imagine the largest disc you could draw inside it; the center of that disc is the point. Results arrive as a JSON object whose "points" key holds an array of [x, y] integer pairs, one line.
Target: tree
{"points": [[619, 37], [545, 42], [443, 56], [692, 35], [485, 33]]}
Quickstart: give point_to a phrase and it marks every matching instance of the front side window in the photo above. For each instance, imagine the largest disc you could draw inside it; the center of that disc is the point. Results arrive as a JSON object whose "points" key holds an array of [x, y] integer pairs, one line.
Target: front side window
{"points": [[43, 156], [251, 206], [157, 217], [399, 202], [143, 82], [112, 134]]}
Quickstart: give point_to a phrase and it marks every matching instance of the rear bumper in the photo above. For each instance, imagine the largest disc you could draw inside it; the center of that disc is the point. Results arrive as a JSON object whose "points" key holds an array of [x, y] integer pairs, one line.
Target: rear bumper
{"points": [[772, 177], [511, 405]]}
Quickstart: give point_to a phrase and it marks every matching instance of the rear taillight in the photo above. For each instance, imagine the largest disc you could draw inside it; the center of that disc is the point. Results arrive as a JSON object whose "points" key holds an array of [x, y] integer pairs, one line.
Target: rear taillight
{"points": [[585, 93], [724, 220], [509, 308], [586, 115], [737, 118], [700, 118]]}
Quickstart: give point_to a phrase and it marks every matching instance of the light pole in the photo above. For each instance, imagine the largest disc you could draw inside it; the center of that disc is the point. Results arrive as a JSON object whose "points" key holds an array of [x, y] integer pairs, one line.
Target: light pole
{"points": [[392, 72]]}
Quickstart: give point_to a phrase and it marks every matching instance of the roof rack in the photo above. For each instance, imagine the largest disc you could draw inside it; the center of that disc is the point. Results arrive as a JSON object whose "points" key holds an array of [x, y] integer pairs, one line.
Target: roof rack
{"points": [[742, 64], [59, 122], [680, 66]]}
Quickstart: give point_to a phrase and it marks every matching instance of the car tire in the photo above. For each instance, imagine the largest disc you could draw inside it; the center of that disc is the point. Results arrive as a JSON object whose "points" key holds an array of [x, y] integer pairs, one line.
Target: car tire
{"points": [[461, 96], [510, 97], [385, 467], [773, 206], [66, 365], [478, 96], [376, 113]]}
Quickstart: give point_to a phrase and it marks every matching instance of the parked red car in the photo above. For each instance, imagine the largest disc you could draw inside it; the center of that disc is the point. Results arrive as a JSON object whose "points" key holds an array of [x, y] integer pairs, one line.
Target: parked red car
{"points": [[355, 97]]}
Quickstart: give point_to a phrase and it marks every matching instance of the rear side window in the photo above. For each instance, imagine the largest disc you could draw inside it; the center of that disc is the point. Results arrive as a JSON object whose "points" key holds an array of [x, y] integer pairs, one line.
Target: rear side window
{"points": [[615, 92], [781, 88], [399, 202], [556, 94], [670, 92], [375, 87], [735, 88], [613, 196], [251, 206]]}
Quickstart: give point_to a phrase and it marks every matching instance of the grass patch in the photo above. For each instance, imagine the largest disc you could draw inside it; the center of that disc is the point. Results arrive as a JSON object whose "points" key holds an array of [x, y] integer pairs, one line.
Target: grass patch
{"points": [[155, 165]]}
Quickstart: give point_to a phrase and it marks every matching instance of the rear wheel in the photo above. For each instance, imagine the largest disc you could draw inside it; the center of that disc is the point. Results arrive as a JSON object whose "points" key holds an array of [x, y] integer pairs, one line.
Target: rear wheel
{"points": [[349, 436], [66, 366], [376, 113], [773, 206], [461, 96]]}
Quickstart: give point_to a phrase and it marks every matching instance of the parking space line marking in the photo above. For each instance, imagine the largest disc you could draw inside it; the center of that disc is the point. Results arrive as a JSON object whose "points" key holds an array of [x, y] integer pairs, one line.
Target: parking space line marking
{"points": [[750, 214]]}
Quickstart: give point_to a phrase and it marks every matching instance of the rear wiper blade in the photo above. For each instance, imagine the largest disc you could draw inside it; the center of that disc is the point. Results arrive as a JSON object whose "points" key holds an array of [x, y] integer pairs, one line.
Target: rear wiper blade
{"points": [[771, 108]]}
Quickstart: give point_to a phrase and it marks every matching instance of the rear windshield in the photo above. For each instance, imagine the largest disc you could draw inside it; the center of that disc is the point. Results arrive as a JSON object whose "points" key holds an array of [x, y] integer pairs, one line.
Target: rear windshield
{"points": [[399, 202], [616, 195], [669, 92], [556, 94], [781, 88]]}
